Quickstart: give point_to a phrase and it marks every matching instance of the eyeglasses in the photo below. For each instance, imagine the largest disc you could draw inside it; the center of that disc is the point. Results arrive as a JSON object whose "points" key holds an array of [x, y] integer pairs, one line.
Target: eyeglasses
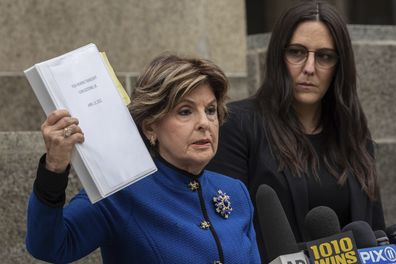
{"points": [[298, 54]]}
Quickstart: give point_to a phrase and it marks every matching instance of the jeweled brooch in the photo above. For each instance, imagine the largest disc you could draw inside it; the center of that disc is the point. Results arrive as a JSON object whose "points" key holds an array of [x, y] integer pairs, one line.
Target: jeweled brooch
{"points": [[222, 204]]}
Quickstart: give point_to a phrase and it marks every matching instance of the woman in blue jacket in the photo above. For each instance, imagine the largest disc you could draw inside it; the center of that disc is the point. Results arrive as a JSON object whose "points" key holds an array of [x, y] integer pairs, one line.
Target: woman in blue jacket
{"points": [[181, 213]]}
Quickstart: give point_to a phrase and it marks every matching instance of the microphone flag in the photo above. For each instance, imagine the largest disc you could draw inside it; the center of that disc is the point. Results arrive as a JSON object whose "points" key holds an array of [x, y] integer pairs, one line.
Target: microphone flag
{"points": [[335, 249], [378, 255]]}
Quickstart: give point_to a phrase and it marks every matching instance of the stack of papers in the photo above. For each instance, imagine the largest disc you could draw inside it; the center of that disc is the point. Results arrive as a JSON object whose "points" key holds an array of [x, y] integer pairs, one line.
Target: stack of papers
{"points": [[113, 154]]}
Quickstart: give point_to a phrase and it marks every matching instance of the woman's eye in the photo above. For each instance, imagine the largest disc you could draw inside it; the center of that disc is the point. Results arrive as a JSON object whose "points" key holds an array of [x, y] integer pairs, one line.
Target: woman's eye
{"points": [[326, 55], [184, 112], [212, 110], [297, 52]]}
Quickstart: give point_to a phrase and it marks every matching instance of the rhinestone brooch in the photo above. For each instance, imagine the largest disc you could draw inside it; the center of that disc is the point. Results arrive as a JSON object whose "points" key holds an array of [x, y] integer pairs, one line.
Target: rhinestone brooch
{"points": [[222, 204]]}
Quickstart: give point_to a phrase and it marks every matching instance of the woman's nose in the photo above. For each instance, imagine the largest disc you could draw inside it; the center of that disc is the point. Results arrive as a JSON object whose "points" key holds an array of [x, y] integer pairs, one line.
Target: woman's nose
{"points": [[309, 66], [203, 121]]}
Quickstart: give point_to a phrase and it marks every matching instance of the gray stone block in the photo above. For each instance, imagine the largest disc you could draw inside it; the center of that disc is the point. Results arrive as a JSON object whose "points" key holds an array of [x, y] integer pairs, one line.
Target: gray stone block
{"points": [[20, 109], [256, 69], [376, 68], [20, 152], [131, 32], [372, 32], [386, 168], [258, 41], [238, 88]]}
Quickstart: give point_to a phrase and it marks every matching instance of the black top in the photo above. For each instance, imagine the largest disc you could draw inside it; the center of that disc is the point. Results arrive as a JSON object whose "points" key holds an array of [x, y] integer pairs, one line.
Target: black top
{"points": [[325, 191], [244, 153]]}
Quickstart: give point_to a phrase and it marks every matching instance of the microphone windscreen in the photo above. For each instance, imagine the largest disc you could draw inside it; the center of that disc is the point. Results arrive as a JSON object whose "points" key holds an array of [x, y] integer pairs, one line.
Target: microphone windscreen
{"points": [[278, 237], [363, 234], [381, 238], [391, 233], [321, 222]]}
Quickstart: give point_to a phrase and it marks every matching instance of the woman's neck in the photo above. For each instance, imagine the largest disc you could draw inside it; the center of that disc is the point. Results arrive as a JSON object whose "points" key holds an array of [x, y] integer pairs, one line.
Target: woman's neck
{"points": [[309, 117], [194, 171]]}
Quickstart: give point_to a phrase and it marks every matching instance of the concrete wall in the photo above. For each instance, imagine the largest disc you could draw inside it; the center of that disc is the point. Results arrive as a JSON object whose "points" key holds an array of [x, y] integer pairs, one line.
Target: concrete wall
{"points": [[132, 32]]}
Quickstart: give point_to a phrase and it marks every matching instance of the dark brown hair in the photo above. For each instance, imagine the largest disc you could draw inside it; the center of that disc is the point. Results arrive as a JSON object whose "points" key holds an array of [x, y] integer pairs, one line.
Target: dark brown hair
{"points": [[348, 145]]}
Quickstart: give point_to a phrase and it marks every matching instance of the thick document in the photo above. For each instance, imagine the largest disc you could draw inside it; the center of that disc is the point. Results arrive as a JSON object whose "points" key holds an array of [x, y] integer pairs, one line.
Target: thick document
{"points": [[113, 154]]}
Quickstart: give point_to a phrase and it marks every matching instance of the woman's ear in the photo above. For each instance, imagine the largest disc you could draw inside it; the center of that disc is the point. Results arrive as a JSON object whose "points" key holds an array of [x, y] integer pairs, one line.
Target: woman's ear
{"points": [[149, 132]]}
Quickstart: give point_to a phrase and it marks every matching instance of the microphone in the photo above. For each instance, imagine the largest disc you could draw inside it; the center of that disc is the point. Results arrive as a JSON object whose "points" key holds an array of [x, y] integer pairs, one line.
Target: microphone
{"points": [[327, 244], [366, 240], [391, 233], [363, 234], [381, 238], [321, 222], [277, 234]]}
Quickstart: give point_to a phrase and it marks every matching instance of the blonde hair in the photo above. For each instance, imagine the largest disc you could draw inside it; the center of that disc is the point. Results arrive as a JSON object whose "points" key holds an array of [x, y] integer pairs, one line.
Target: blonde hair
{"points": [[167, 79]]}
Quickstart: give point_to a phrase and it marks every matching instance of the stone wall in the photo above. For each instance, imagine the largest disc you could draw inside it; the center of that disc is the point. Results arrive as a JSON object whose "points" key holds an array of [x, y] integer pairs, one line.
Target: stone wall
{"points": [[132, 32]]}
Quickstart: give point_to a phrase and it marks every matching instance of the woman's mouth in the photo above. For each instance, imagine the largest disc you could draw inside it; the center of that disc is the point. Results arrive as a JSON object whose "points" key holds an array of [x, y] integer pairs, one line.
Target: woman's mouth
{"points": [[202, 142]]}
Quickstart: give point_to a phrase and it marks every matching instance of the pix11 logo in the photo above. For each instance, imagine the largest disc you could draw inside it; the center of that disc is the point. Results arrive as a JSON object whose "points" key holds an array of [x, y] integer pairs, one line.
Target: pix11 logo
{"points": [[336, 249], [378, 255]]}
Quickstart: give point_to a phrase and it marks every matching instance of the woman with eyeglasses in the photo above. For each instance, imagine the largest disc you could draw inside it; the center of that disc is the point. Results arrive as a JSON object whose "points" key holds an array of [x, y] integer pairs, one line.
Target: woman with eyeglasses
{"points": [[304, 132]]}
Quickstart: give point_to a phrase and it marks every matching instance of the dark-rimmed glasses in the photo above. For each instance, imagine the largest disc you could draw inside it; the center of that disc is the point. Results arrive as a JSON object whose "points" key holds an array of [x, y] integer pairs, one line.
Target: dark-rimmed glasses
{"points": [[298, 54]]}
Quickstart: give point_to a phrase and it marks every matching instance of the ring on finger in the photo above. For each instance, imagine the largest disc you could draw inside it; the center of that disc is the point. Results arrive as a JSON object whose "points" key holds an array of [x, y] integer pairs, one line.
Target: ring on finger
{"points": [[67, 132]]}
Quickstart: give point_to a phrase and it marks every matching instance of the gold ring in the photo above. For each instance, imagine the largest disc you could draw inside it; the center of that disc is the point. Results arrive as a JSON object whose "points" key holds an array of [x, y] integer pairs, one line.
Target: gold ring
{"points": [[67, 132]]}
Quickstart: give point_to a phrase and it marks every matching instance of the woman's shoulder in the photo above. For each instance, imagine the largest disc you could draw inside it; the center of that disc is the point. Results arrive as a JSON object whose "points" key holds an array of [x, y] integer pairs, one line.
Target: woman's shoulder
{"points": [[230, 185], [244, 106], [244, 115], [221, 179]]}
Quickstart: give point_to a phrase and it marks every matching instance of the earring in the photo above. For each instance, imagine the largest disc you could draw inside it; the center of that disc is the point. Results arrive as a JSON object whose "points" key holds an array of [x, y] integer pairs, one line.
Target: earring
{"points": [[152, 140]]}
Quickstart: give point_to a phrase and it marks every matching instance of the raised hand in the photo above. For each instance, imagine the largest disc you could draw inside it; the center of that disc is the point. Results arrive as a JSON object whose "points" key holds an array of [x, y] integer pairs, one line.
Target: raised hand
{"points": [[60, 132]]}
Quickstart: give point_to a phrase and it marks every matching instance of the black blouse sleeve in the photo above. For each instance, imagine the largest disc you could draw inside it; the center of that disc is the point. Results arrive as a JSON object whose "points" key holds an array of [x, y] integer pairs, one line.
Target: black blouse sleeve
{"points": [[49, 186]]}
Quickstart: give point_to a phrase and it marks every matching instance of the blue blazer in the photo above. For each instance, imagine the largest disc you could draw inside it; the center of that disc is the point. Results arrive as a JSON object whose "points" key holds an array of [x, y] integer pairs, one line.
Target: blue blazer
{"points": [[155, 220]]}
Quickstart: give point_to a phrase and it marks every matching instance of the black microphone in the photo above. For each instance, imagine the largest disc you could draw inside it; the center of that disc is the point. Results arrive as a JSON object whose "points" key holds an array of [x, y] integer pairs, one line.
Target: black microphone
{"points": [[381, 238], [321, 222], [369, 250], [363, 234], [277, 234], [391, 233], [326, 242]]}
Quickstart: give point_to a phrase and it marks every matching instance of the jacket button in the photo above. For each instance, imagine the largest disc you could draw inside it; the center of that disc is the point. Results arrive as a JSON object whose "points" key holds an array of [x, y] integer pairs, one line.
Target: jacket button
{"points": [[204, 225], [193, 185]]}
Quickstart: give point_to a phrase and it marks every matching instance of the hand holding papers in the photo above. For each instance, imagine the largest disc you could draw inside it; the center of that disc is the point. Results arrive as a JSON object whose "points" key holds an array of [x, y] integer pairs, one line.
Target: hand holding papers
{"points": [[113, 154]]}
